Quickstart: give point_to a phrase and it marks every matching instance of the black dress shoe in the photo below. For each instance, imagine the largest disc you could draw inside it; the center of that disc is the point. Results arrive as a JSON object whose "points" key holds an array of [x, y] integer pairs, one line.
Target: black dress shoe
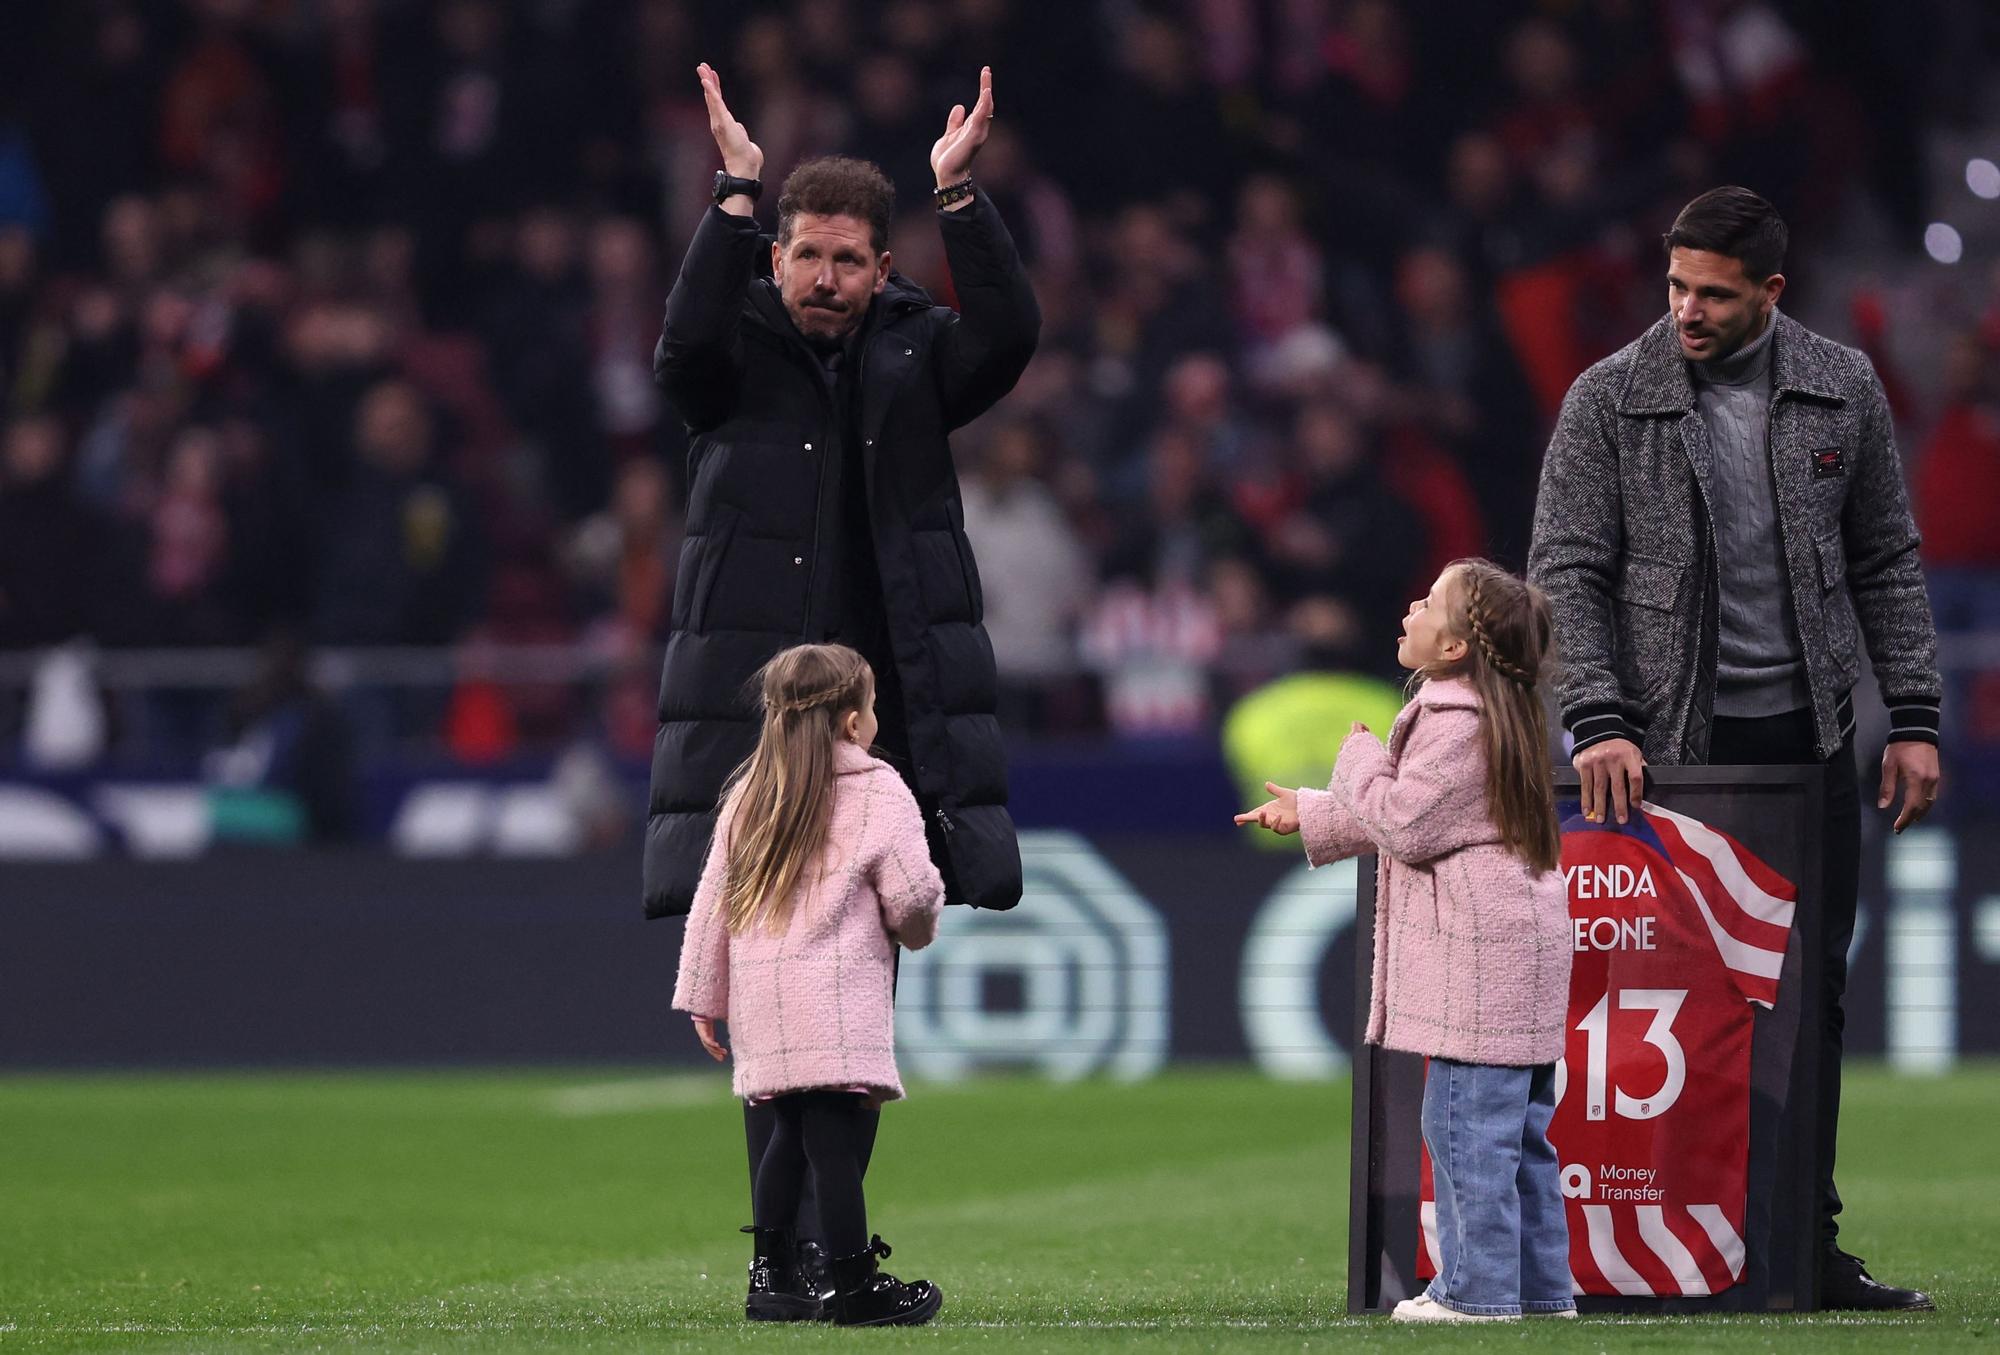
{"points": [[1846, 1285]]}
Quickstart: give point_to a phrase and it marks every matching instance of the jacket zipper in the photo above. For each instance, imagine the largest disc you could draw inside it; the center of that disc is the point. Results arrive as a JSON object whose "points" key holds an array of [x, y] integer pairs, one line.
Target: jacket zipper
{"points": [[945, 824], [832, 446], [1785, 550], [828, 447], [1706, 633], [1711, 643]]}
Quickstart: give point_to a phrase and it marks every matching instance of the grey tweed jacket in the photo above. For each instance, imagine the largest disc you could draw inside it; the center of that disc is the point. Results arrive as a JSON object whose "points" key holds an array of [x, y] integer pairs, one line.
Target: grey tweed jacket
{"points": [[1624, 546]]}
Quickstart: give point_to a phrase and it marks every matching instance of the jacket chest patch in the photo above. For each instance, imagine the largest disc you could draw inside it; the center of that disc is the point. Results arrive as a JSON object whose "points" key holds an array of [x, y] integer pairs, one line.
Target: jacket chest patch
{"points": [[1828, 463]]}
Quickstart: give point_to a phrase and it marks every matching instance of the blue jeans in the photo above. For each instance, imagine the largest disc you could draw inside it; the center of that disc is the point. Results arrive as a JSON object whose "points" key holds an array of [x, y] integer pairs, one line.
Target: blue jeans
{"points": [[1502, 1238]]}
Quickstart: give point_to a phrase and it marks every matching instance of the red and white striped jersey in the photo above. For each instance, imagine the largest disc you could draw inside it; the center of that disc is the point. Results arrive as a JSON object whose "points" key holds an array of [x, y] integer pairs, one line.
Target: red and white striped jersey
{"points": [[1678, 931]]}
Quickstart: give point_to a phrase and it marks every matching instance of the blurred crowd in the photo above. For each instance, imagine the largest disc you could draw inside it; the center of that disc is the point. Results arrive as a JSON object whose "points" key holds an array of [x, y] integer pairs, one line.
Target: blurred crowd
{"points": [[329, 322]]}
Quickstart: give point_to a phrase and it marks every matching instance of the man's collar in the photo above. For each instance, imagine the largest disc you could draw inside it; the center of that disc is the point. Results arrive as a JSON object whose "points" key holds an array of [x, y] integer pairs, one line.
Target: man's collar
{"points": [[1798, 362], [1659, 382]]}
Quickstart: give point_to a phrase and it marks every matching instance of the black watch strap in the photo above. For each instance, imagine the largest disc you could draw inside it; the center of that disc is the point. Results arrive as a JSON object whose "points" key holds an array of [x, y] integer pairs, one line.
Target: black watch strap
{"points": [[727, 185]]}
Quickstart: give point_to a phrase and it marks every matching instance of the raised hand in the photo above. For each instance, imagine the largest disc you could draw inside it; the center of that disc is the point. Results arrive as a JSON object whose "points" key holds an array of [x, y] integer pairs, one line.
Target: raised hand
{"points": [[964, 134], [740, 155]]}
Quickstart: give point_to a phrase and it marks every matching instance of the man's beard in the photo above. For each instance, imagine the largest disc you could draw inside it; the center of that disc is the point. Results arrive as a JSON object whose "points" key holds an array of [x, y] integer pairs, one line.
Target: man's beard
{"points": [[1729, 345], [823, 324]]}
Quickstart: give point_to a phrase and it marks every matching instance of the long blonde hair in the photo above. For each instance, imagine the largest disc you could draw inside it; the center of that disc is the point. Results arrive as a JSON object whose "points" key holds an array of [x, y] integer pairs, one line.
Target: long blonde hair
{"points": [[781, 798], [1508, 629]]}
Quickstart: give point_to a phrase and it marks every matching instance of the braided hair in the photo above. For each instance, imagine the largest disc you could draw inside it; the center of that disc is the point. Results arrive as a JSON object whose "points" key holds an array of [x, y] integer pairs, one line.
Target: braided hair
{"points": [[1476, 585], [1510, 631], [799, 703]]}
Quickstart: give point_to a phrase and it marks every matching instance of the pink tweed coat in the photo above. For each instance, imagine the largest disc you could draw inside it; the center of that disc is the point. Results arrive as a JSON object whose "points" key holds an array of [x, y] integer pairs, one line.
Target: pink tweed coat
{"points": [[812, 1007], [1472, 948]]}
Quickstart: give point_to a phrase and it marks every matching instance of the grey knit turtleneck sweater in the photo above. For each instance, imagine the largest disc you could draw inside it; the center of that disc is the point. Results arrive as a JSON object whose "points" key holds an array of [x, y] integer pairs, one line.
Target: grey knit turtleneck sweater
{"points": [[1760, 667]]}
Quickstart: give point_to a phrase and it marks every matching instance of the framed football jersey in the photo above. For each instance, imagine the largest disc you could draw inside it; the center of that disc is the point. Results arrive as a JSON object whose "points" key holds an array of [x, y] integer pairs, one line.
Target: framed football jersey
{"points": [[1687, 1090]]}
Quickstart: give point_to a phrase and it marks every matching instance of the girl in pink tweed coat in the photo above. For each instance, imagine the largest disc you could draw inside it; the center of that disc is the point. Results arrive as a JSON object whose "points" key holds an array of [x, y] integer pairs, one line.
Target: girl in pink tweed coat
{"points": [[1472, 932], [817, 871]]}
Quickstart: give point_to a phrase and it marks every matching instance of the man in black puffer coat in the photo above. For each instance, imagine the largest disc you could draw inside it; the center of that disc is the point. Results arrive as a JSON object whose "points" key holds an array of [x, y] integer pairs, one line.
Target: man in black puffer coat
{"points": [[822, 500], [823, 506]]}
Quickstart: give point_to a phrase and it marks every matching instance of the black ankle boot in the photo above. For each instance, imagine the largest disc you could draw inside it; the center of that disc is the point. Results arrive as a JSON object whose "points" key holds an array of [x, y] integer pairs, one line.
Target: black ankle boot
{"points": [[816, 1270], [865, 1297], [778, 1292]]}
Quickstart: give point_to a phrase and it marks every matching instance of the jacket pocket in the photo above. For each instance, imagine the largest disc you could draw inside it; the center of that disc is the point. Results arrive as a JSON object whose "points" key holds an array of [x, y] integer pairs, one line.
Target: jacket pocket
{"points": [[1650, 582], [1411, 892], [1648, 624], [1837, 608], [1832, 561]]}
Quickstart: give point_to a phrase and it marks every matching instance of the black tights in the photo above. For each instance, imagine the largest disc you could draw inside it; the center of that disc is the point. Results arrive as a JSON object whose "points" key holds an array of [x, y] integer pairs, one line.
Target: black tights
{"points": [[833, 1133]]}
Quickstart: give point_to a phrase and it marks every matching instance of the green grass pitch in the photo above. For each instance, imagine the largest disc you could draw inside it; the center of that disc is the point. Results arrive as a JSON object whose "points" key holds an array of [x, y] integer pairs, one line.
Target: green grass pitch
{"points": [[588, 1211]]}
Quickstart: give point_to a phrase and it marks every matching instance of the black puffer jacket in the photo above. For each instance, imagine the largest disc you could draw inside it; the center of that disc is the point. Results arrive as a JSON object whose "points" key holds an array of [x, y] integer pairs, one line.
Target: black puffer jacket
{"points": [[764, 428]]}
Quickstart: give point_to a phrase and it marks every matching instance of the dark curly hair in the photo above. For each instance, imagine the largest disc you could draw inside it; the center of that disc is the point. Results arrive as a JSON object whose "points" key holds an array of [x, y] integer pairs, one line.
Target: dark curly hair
{"points": [[838, 185]]}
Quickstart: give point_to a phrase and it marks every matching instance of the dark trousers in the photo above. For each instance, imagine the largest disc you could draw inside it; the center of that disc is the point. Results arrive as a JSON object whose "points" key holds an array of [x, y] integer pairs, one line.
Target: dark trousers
{"points": [[833, 1134], [1788, 739]]}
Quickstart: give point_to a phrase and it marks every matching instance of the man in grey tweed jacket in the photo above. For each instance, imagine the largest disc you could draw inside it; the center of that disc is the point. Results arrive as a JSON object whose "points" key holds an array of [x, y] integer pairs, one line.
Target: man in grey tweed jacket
{"points": [[1722, 523]]}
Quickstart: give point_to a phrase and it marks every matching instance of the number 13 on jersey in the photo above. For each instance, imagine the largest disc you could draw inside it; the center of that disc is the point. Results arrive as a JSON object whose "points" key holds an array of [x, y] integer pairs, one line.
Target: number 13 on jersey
{"points": [[1597, 1028]]}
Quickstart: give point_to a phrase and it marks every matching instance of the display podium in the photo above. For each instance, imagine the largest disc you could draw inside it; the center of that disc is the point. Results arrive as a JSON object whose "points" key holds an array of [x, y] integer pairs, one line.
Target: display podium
{"points": [[1687, 1136]]}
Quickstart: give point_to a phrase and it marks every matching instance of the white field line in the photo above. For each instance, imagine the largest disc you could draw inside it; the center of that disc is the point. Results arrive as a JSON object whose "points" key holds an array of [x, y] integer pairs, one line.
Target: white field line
{"points": [[629, 1096]]}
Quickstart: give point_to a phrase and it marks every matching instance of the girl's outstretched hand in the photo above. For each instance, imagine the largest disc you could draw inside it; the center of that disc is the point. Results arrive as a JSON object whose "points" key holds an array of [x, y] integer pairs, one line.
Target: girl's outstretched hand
{"points": [[1280, 814], [1360, 727], [704, 1029]]}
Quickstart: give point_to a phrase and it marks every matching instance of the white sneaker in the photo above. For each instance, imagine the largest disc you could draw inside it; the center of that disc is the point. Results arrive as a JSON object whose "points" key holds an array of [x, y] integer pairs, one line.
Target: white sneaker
{"points": [[1424, 1308], [1566, 1312]]}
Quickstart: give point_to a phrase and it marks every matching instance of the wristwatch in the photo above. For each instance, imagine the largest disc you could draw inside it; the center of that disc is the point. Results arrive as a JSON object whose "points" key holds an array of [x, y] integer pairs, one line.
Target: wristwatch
{"points": [[727, 185]]}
